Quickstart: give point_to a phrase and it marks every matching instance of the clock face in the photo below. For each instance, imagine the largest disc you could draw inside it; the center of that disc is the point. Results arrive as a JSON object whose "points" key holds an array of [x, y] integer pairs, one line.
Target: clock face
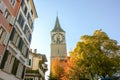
{"points": [[58, 38]]}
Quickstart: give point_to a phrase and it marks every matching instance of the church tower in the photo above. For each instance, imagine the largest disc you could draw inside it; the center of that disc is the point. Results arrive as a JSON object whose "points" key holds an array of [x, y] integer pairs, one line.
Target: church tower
{"points": [[58, 42]]}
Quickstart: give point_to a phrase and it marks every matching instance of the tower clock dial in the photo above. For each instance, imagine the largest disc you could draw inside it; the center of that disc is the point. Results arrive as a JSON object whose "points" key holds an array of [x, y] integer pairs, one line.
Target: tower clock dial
{"points": [[58, 38]]}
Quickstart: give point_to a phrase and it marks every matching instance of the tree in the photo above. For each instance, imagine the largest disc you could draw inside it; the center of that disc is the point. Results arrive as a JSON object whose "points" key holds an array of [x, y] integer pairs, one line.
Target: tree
{"points": [[95, 55], [57, 69]]}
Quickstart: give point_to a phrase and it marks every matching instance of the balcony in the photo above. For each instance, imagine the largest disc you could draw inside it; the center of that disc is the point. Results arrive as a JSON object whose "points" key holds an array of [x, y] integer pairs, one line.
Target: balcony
{"points": [[42, 73], [45, 67]]}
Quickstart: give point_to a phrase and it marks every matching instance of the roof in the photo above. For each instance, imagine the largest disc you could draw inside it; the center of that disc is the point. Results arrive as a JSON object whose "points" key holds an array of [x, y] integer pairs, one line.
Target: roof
{"points": [[33, 8], [57, 27], [39, 55]]}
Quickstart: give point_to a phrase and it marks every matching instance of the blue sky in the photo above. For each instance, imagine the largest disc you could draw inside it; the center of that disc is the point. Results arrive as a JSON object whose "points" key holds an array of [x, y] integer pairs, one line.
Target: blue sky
{"points": [[77, 18]]}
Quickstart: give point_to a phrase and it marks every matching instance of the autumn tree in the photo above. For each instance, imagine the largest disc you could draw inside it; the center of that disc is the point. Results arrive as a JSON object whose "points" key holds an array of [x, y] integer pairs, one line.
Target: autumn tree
{"points": [[57, 68], [94, 55]]}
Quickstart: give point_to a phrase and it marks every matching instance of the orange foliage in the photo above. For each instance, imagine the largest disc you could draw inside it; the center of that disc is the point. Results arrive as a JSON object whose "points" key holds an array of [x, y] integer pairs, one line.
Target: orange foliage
{"points": [[57, 68]]}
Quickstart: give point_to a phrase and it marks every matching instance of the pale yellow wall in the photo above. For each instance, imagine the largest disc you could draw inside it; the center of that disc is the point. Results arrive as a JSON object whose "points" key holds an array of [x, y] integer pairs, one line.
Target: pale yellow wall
{"points": [[35, 63], [34, 60]]}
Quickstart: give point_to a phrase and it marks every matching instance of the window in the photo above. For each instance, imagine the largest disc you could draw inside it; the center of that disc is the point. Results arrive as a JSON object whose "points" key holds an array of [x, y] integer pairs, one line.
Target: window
{"points": [[21, 21], [24, 49], [1, 31], [15, 67], [12, 59], [19, 70], [32, 26], [22, 3], [23, 72], [17, 40], [13, 2], [25, 29], [2, 35], [28, 16], [30, 37], [20, 45], [12, 34], [7, 15], [30, 62], [25, 10], [4, 59], [27, 34], [31, 12], [27, 52], [15, 37], [29, 19], [9, 63]]}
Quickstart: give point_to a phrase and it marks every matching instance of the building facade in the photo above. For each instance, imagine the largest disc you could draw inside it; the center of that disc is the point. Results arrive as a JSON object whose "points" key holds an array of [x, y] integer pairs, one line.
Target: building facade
{"points": [[8, 14], [36, 66], [15, 56], [58, 43]]}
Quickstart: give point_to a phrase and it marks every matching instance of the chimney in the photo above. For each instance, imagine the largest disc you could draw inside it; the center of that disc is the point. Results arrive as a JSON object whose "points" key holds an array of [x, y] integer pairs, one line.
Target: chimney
{"points": [[35, 51]]}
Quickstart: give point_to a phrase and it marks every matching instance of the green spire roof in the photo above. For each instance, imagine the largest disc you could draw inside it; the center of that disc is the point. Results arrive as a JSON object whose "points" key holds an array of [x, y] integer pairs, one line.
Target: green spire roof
{"points": [[57, 27]]}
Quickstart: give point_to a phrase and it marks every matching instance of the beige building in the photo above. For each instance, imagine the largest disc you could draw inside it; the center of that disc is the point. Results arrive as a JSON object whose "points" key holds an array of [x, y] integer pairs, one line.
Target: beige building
{"points": [[14, 62], [36, 66]]}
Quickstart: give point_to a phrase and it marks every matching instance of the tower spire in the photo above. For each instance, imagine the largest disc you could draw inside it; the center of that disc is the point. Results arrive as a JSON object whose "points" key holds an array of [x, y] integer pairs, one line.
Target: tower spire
{"points": [[57, 27]]}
